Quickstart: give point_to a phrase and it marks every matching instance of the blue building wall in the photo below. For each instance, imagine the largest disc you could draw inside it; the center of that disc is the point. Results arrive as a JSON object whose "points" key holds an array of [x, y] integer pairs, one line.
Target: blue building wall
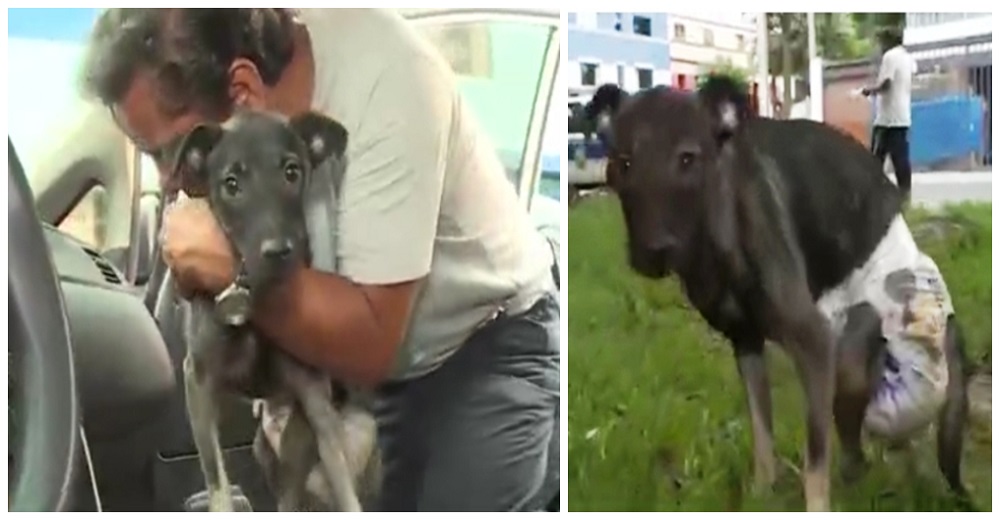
{"points": [[608, 45]]}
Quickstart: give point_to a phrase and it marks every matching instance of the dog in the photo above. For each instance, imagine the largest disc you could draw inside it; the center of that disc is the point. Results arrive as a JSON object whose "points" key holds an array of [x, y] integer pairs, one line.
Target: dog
{"points": [[253, 170], [789, 231]]}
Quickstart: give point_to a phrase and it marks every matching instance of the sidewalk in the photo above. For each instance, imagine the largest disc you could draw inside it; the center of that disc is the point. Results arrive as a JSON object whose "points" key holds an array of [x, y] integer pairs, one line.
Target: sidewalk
{"points": [[942, 187], [953, 177]]}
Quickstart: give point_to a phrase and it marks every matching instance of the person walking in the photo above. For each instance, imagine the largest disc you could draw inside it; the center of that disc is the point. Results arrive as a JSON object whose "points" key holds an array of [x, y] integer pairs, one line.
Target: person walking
{"points": [[890, 135]]}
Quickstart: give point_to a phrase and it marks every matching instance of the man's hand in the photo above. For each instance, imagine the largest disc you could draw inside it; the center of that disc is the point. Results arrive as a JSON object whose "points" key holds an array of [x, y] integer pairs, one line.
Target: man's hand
{"points": [[195, 248]]}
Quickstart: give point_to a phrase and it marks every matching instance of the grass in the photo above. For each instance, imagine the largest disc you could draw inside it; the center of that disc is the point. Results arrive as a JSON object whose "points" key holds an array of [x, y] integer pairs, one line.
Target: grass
{"points": [[656, 411]]}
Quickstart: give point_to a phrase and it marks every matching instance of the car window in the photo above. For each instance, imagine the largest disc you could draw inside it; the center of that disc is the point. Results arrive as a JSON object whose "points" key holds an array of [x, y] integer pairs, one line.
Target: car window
{"points": [[51, 37], [43, 100], [86, 222], [499, 65]]}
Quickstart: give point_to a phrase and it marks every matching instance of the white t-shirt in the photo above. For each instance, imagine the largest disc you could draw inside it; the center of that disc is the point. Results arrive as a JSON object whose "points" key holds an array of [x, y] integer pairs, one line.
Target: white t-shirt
{"points": [[892, 108], [424, 193]]}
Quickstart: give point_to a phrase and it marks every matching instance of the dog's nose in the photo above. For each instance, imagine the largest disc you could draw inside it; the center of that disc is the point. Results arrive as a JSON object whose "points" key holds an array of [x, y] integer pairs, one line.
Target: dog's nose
{"points": [[276, 247]]}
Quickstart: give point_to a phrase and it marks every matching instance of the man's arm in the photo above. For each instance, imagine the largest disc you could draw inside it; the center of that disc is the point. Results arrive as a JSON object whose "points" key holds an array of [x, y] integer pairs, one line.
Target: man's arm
{"points": [[885, 73], [352, 325]]}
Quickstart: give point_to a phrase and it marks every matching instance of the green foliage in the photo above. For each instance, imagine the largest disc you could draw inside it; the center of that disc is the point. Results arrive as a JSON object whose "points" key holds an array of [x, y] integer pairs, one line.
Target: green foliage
{"points": [[657, 414], [725, 69], [839, 36]]}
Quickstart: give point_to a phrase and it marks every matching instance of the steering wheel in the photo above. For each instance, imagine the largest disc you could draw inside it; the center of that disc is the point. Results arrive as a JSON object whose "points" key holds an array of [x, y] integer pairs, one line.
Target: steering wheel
{"points": [[43, 388]]}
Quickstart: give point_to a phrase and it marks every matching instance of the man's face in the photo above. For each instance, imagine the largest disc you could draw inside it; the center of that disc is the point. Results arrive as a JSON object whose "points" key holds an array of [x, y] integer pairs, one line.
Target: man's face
{"points": [[150, 129]]}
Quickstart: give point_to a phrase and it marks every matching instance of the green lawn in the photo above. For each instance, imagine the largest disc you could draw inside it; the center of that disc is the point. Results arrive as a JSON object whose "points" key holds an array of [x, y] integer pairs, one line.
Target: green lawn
{"points": [[656, 410]]}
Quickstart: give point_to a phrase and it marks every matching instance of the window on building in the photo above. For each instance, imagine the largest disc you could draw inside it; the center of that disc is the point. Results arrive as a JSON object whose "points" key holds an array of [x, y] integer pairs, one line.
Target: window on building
{"points": [[741, 42], [679, 32], [645, 77], [708, 37], [588, 74], [642, 25], [618, 21], [621, 75]]}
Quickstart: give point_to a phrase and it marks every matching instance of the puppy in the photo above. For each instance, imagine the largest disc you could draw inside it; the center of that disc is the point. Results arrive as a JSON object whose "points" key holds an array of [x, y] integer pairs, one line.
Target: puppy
{"points": [[253, 169]]}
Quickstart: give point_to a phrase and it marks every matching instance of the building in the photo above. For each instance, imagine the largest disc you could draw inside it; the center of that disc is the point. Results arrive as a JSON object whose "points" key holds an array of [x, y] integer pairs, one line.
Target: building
{"points": [[699, 42], [630, 49], [954, 55]]}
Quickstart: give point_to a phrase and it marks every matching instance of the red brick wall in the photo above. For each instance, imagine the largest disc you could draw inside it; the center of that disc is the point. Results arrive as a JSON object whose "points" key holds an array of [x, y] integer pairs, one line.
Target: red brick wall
{"points": [[841, 109], [851, 114]]}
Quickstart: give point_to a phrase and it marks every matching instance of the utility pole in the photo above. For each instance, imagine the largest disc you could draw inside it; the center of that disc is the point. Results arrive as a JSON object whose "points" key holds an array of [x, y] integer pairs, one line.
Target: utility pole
{"points": [[815, 72], [763, 78]]}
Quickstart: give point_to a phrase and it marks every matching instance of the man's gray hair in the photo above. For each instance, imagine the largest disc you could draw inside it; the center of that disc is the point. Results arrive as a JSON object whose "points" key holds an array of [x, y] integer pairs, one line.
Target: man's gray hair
{"points": [[188, 51]]}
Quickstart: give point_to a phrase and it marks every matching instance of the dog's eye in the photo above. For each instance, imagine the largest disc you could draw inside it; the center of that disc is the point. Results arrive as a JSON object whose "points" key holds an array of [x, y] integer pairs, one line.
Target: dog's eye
{"points": [[686, 159], [232, 186], [292, 172], [624, 162]]}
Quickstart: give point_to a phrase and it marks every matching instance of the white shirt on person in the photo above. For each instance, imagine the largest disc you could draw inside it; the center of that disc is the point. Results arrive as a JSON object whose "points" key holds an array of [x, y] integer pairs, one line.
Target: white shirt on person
{"points": [[892, 108], [424, 194]]}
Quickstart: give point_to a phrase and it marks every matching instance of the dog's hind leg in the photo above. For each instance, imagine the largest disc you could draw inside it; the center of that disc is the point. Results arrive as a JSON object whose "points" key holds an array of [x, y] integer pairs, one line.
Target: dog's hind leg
{"points": [[201, 405], [267, 459], [753, 371], [954, 415], [861, 352], [313, 393], [324, 419], [297, 454]]}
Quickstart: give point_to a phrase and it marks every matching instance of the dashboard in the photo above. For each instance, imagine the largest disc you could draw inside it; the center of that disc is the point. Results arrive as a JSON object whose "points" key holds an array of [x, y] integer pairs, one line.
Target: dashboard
{"points": [[124, 373]]}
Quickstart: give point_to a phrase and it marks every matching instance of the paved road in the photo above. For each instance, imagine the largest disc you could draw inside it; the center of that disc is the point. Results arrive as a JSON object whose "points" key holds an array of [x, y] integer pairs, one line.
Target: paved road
{"points": [[936, 188]]}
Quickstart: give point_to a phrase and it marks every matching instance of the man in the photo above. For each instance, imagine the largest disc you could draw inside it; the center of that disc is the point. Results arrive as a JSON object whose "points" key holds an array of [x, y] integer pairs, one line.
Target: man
{"points": [[892, 109], [442, 301]]}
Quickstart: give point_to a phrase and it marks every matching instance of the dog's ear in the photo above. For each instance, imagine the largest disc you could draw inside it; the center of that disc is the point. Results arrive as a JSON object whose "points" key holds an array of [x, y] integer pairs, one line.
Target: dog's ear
{"points": [[190, 157], [727, 102], [602, 108], [323, 136]]}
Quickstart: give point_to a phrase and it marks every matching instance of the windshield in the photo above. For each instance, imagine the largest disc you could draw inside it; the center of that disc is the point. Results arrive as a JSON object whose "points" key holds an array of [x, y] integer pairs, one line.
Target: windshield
{"points": [[53, 37]]}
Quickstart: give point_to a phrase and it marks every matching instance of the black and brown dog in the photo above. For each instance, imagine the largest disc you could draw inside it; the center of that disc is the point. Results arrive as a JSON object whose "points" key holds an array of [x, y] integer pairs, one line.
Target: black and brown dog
{"points": [[764, 219]]}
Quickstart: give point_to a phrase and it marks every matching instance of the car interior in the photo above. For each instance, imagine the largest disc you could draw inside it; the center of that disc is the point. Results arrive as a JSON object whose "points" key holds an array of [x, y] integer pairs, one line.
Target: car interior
{"points": [[96, 409]]}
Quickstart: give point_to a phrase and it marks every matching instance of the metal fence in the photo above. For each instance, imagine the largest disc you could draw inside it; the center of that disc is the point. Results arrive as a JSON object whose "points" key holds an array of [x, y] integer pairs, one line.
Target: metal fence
{"points": [[954, 92], [952, 102]]}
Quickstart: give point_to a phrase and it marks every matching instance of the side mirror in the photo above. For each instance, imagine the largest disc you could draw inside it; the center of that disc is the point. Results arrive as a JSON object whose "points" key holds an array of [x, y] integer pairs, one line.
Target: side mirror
{"points": [[148, 226]]}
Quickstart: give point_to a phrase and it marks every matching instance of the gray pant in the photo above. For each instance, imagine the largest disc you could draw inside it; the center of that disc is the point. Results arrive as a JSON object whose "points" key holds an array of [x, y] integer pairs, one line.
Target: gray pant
{"points": [[481, 432]]}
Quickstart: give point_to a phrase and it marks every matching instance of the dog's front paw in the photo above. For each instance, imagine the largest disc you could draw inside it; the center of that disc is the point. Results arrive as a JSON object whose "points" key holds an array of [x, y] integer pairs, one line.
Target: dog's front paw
{"points": [[220, 505], [221, 501]]}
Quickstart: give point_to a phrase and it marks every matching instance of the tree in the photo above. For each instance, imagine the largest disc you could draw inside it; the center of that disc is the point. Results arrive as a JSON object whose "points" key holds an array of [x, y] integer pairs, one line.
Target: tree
{"points": [[839, 36]]}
